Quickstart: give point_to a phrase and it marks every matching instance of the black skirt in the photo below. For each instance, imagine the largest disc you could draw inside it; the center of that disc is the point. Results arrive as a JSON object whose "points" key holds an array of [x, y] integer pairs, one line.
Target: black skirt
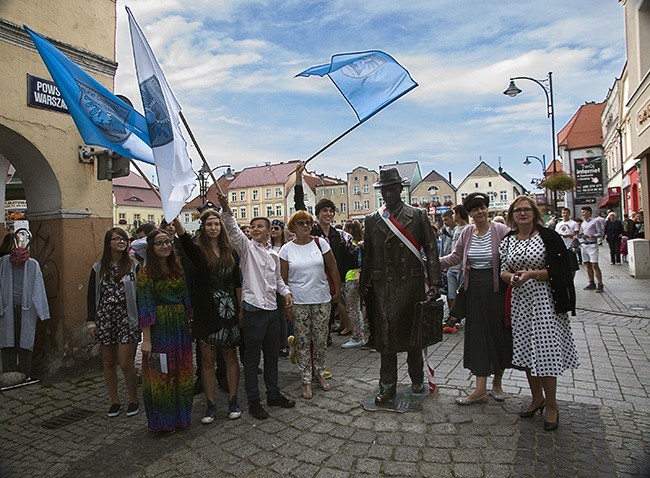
{"points": [[488, 343]]}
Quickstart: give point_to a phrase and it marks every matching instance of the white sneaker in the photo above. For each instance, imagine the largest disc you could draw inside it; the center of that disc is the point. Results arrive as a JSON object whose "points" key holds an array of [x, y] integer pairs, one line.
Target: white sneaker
{"points": [[353, 344]]}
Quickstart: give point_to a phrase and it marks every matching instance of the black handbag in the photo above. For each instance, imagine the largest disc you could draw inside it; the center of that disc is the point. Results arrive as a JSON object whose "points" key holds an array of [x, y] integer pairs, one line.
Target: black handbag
{"points": [[427, 324]]}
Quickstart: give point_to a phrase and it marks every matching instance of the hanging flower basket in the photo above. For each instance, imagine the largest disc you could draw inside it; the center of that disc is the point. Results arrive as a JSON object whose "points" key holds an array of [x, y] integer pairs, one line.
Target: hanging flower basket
{"points": [[559, 182]]}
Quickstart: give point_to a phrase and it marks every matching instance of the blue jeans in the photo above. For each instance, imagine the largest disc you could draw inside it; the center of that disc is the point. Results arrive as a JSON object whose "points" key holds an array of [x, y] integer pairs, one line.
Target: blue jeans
{"points": [[454, 280], [261, 334]]}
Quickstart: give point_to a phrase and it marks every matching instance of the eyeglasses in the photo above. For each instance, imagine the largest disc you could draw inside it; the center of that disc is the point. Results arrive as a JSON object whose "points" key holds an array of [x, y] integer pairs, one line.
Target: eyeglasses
{"points": [[162, 243], [303, 222], [525, 210], [118, 239]]}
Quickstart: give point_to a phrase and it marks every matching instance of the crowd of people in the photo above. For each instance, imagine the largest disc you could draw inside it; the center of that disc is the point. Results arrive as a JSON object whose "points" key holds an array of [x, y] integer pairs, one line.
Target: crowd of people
{"points": [[276, 289]]}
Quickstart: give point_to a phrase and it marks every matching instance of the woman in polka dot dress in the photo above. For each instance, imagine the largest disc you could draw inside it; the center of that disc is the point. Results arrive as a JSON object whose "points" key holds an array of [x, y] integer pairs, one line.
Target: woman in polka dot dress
{"points": [[534, 262]]}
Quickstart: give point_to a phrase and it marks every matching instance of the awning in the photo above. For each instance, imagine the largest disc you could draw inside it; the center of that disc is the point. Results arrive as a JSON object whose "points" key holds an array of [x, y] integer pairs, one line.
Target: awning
{"points": [[611, 199]]}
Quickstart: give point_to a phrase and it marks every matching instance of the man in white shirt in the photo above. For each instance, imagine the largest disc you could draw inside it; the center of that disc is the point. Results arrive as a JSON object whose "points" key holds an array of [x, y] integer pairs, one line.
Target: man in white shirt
{"points": [[568, 229], [591, 231], [260, 268]]}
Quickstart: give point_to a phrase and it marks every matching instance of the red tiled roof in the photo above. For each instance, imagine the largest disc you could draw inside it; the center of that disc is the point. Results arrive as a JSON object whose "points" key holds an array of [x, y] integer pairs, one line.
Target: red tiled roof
{"points": [[264, 175], [133, 190], [584, 129]]}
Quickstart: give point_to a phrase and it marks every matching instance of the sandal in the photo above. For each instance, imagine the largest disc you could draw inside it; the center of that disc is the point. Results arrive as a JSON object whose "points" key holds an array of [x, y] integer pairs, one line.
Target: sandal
{"points": [[324, 384], [306, 391]]}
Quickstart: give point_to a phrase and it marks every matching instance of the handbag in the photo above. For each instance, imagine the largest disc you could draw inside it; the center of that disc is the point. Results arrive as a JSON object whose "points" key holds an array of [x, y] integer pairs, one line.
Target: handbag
{"points": [[459, 308], [330, 282], [226, 338], [427, 324]]}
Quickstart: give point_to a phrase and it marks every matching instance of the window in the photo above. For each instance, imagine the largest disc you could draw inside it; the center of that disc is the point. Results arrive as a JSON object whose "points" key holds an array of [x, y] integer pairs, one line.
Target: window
{"points": [[343, 207], [448, 198], [332, 192], [292, 210], [355, 189], [242, 195], [310, 209], [435, 199], [356, 178], [504, 195], [475, 185], [188, 217], [150, 218], [278, 210], [268, 193], [234, 213], [342, 190], [242, 213], [322, 192], [278, 192], [269, 210], [463, 196], [233, 197], [256, 211], [366, 204], [122, 216], [365, 188], [255, 195], [357, 205], [423, 200], [136, 219], [489, 184]]}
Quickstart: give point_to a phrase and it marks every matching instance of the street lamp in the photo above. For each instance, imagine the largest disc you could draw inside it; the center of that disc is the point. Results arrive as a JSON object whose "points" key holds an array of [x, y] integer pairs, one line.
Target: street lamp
{"points": [[513, 91], [202, 176]]}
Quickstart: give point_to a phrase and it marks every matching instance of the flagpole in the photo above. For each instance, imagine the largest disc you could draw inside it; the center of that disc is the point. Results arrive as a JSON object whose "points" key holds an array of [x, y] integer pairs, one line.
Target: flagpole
{"points": [[198, 148], [144, 176], [349, 130]]}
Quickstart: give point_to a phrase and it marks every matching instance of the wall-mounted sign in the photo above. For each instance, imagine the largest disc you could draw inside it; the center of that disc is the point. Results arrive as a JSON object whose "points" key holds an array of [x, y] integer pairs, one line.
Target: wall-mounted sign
{"points": [[585, 201], [42, 93], [589, 176]]}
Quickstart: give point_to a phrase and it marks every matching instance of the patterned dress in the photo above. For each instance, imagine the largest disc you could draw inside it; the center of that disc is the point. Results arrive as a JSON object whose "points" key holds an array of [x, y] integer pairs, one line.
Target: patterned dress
{"points": [[542, 339], [112, 317], [164, 306]]}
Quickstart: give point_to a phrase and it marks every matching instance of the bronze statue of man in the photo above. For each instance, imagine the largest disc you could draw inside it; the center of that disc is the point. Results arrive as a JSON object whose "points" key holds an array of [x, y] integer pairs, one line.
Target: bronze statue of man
{"points": [[400, 256]]}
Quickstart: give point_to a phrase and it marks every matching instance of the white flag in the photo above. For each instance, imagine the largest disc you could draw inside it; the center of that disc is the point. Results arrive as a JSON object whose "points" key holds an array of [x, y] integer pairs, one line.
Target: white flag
{"points": [[173, 164]]}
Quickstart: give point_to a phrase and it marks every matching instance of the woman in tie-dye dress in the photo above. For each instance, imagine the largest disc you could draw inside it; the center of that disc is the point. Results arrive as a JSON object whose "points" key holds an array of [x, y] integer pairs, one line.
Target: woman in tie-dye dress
{"points": [[164, 308]]}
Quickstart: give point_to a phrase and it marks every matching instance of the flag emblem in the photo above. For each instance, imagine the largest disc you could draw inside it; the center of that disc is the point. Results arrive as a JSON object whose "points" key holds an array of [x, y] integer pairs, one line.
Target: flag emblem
{"points": [[158, 122], [108, 116], [363, 66]]}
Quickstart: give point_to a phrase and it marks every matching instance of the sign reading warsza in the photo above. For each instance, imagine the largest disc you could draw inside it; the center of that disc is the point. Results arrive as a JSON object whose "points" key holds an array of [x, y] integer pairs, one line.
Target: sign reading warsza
{"points": [[42, 93]]}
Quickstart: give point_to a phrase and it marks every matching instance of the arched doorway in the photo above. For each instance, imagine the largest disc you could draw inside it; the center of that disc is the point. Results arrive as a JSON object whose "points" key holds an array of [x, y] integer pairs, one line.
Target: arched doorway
{"points": [[43, 197]]}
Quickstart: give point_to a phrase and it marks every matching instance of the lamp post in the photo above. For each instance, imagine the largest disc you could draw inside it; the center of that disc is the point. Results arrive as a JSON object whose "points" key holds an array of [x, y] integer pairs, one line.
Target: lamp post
{"points": [[513, 91], [202, 176]]}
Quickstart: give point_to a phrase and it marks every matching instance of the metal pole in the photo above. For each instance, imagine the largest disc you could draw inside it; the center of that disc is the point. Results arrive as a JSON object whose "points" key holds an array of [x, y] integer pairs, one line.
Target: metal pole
{"points": [[144, 176], [198, 148], [551, 113]]}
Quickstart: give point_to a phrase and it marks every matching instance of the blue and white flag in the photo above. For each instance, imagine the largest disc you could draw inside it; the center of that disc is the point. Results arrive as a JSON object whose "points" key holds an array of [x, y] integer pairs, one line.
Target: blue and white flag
{"points": [[176, 177], [101, 117], [369, 80]]}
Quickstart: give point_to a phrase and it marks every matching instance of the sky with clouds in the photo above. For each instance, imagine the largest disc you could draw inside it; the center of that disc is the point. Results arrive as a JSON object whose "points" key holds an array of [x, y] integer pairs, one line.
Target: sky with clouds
{"points": [[232, 66]]}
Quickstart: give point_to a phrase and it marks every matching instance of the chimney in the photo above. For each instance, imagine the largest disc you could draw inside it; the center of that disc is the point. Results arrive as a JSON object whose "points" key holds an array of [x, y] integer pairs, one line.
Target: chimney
{"points": [[449, 177]]}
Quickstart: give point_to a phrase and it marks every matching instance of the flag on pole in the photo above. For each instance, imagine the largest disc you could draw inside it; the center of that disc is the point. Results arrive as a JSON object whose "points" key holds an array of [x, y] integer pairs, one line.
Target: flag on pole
{"points": [[101, 117], [176, 178], [369, 80]]}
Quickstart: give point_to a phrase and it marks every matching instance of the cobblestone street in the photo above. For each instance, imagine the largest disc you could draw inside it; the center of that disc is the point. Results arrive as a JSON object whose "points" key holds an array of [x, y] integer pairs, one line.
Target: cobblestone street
{"points": [[604, 428]]}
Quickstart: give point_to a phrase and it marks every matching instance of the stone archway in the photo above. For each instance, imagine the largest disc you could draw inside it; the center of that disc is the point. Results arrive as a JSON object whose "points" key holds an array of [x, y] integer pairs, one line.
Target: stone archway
{"points": [[43, 196]]}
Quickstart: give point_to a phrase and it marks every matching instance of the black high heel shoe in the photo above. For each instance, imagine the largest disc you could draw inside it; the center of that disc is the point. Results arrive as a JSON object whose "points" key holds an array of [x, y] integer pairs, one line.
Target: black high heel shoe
{"points": [[549, 427], [530, 414]]}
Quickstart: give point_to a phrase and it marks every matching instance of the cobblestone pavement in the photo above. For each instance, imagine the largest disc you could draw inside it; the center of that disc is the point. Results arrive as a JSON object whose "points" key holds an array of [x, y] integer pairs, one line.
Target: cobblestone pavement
{"points": [[604, 425]]}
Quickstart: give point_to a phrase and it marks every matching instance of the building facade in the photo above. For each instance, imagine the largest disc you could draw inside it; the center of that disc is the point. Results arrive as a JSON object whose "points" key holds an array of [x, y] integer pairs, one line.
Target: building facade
{"points": [[362, 196], [435, 193], [68, 209], [500, 187]]}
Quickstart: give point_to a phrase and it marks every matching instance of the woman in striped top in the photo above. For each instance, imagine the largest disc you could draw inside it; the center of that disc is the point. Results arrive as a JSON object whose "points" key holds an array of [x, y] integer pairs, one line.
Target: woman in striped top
{"points": [[488, 343]]}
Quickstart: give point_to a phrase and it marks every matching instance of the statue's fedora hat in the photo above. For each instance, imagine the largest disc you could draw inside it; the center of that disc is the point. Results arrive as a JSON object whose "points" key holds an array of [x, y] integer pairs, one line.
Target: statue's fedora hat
{"points": [[389, 176]]}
